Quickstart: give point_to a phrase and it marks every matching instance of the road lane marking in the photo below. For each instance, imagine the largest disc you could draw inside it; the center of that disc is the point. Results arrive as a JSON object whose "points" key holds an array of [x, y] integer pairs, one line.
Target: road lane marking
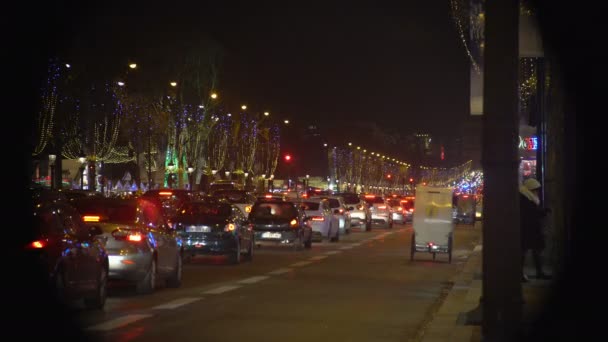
{"points": [[222, 289], [333, 252], [279, 271], [177, 303], [252, 280], [319, 257], [301, 263], [119, 322]]}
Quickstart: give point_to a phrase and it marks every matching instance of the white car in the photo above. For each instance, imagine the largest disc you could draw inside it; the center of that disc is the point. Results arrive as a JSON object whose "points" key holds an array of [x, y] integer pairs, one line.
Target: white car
{"points": [[340, 212], [321, 219]]}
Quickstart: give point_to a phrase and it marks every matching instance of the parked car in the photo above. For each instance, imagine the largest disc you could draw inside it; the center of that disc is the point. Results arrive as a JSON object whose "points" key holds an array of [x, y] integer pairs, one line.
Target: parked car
{"points": [[213, 226], [360, 214], [142, 247], [279, 222], [70, 253], [321, 219]]}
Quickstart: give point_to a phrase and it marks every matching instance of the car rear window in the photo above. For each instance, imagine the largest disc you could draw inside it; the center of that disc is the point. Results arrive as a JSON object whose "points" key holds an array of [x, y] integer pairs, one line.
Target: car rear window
{"points": [[109, 211], [311, 205], [233, 196], [350, 198], [273, 210], [375, 200], [205, 209]]}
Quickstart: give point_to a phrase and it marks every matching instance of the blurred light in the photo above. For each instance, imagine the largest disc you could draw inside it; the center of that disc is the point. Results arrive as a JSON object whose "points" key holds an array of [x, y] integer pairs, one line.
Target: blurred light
{"points": [[132, 65], [286, 122], [173, 84], [229, 114], [243, 107], [213, 95], [68, 66], [201, 106], [91, 218], [37, 244], [120, 83], [266, 113]]}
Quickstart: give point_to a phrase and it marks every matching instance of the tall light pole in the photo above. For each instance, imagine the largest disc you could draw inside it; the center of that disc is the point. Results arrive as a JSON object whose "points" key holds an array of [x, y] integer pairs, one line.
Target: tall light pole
{"points": [[52, 158], [190, 170], [170, 167], [82, 159]]}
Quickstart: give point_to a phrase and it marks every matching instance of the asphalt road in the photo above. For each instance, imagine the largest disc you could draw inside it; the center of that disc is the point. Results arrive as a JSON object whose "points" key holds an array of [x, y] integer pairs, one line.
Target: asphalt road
{"points": [[362, 288]]}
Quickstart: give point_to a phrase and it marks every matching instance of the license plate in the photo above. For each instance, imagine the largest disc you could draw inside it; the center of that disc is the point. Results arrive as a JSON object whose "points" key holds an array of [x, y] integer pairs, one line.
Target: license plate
{"points": [[197, 229], [271, 235]]}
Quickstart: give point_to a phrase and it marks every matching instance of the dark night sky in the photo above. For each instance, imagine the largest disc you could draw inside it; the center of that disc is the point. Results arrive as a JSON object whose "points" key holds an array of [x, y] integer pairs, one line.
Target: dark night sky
{"points": [[397, 64]]}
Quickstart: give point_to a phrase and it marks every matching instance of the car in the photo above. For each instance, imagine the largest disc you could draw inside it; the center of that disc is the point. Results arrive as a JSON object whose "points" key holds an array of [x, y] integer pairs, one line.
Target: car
{"points": [[223, 185], [396, 209], [244, 200], [340, 212], [322, 220], [214, 226], [360, 214], [171, 199], [278, 222], [381, 211], [68, 251], [141, 245]]}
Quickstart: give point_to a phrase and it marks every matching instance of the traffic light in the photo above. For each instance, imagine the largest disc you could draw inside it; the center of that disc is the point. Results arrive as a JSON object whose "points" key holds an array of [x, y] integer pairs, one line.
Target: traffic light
{"points": [[287, 158], [388, 176], [411, 180]]}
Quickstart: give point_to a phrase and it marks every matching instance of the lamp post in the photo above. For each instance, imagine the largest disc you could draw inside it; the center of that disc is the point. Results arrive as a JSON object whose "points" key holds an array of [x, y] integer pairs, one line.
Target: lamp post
{"points": [[170, 167], [52, 158], [190, 170], [82, 159], [227, 173]]}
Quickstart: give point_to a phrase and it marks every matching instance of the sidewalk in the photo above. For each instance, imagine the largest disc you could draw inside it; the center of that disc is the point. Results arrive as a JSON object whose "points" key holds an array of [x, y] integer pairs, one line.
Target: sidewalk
{"points": [[450, 321]]}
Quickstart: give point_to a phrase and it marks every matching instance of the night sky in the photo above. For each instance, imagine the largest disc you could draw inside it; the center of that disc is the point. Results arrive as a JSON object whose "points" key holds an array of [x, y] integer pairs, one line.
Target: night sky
{"points": [[400, 65]]}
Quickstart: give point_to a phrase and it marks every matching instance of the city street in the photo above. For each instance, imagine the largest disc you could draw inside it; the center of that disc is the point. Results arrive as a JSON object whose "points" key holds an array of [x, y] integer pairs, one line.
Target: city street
{"points": [[362, 288]]}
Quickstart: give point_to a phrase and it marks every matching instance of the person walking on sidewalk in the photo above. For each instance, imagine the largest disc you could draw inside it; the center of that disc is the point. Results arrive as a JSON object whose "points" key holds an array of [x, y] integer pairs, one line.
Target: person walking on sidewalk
{"points": [[531, 222]]}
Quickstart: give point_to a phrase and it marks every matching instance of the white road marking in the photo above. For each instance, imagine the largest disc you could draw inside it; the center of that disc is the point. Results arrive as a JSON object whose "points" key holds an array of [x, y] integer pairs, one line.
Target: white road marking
{"points": [[319, 257], [222, 289], [119, 322], [333, 252], [301, 263], [252, 280], [177, 303], [279, 271]]}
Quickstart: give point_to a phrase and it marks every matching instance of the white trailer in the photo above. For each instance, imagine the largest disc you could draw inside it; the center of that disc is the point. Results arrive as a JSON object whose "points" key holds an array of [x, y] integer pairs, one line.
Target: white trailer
{"points": [[433, 221]]}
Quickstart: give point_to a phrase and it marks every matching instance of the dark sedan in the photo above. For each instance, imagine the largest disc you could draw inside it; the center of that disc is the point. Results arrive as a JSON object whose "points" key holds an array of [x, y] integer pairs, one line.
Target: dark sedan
{"points": [[68, 251], [280, 222], [213, 226]]}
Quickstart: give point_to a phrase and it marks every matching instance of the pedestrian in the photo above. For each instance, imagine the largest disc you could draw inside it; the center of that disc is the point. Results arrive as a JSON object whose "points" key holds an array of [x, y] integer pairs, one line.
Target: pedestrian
{"points": [[531, 222]]}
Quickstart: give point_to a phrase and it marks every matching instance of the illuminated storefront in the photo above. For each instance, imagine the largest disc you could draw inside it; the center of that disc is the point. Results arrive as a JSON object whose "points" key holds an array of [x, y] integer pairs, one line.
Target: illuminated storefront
{"points": [[528, 146]]}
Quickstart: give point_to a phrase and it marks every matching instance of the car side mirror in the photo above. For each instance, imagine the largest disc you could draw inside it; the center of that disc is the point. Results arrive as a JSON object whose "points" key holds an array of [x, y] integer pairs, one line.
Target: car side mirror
{"points": [[336, 211], [351, 208]]}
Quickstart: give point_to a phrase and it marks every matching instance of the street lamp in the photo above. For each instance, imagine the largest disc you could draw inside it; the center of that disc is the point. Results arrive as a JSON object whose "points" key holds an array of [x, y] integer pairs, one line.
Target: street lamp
{"points": [[266, 113], [227, 173], [190, 170], [52, 158], [170, 167], [243, 107], [173, 84], [132, 65], [214, 96], [82, 159]]}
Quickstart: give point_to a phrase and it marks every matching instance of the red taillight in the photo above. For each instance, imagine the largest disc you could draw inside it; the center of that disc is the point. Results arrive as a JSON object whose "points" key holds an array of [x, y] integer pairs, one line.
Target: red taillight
{"points": [[37, 244], [165, 193], [370, 196], [341, 211], [381, 207], [268, 196], [318, 218]]}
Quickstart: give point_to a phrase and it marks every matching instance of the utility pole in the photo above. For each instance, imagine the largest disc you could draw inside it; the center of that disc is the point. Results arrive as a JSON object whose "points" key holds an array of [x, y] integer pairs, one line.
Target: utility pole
{"points": [[501, 283]]}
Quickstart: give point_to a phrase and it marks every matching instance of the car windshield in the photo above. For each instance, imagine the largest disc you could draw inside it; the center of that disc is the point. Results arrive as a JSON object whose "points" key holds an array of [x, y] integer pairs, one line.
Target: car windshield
{"points": [[274, 210], [350, 198], [118, 212], [233, 196], [205, 209], [310, 205]]}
